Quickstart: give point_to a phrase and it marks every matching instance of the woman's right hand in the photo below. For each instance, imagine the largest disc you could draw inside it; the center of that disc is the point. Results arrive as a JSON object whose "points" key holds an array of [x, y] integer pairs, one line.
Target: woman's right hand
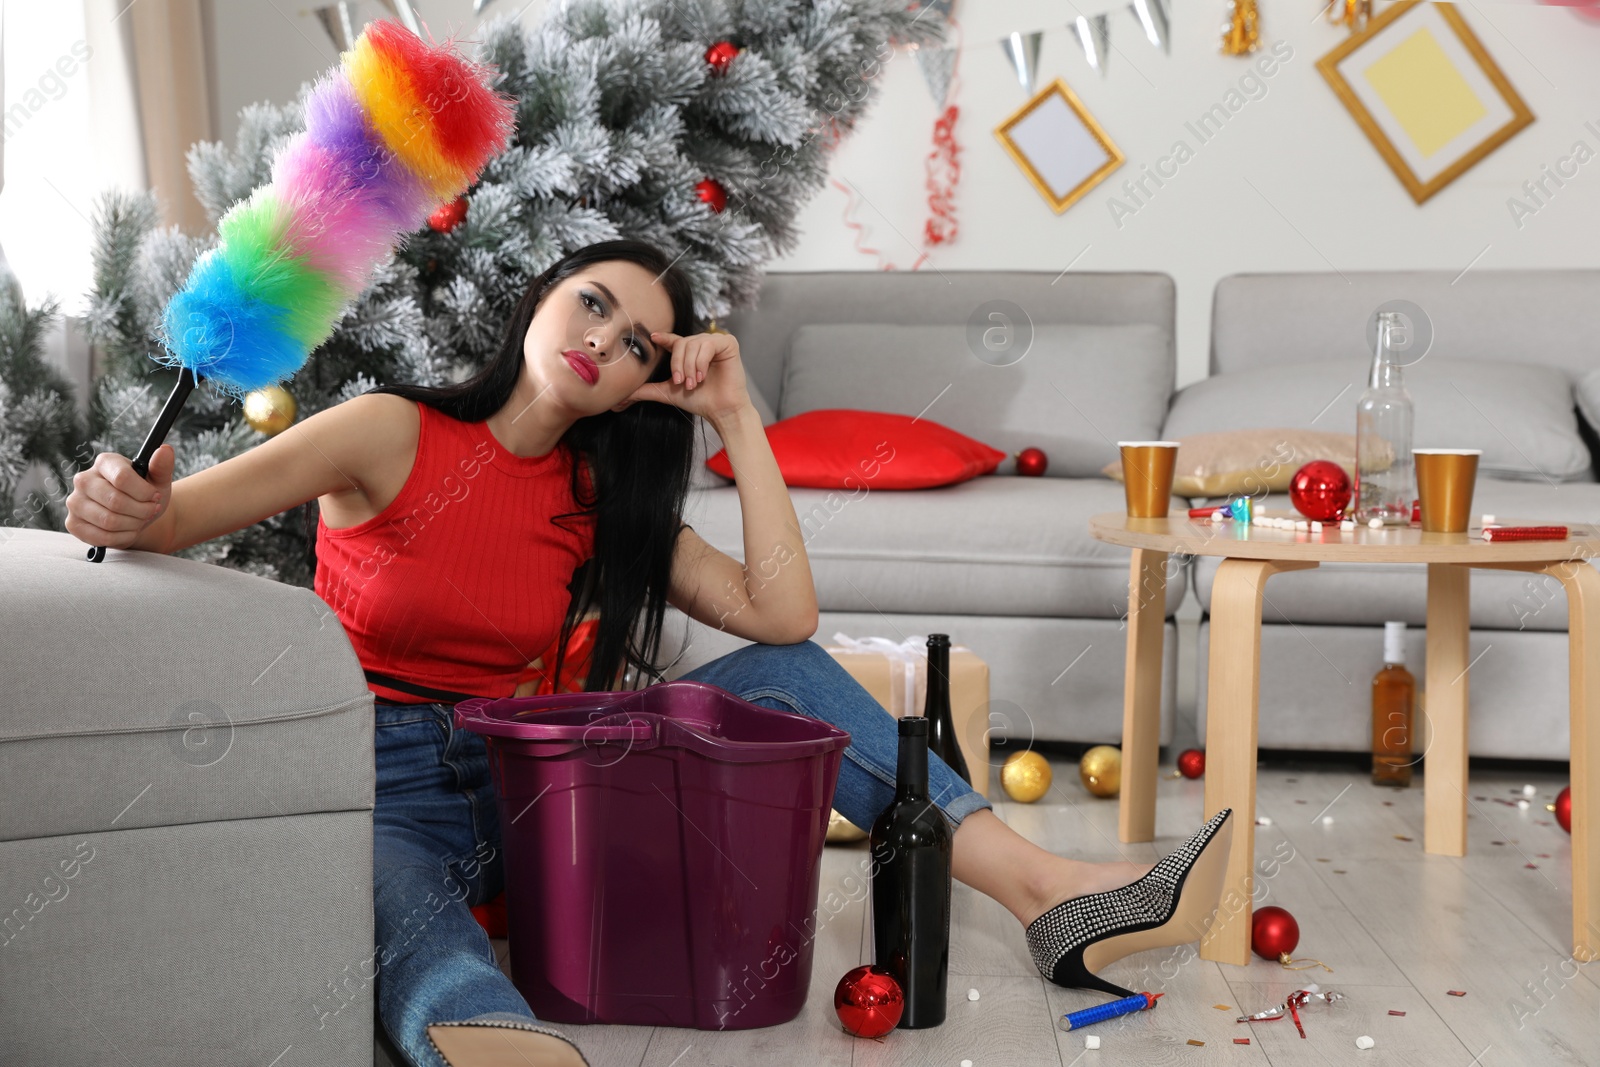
{"points": [[110, 505]]}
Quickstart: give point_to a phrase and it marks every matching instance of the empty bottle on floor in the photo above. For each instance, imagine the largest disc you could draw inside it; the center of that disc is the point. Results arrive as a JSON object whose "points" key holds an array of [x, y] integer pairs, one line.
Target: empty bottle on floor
{"points": [[912, 847]]}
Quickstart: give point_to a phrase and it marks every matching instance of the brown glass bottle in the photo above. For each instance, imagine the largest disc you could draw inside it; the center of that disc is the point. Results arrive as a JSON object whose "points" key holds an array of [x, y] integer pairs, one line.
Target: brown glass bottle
{"points": [[1394, 693]]}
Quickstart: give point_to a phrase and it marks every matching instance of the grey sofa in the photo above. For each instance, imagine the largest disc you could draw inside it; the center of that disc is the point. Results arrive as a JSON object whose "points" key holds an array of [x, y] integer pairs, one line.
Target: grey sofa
{"points": [[1509, 349], [1002, 563], [185, 816]]}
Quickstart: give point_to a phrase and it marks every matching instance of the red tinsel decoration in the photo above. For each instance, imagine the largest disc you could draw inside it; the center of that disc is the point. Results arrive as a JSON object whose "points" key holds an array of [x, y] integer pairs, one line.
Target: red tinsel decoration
{"points": [[943, 168]]}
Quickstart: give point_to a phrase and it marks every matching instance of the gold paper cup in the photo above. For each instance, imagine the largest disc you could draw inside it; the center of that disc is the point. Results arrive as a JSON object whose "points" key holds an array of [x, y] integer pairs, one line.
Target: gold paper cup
{"points": [[1147, 477], [1445, 480]]}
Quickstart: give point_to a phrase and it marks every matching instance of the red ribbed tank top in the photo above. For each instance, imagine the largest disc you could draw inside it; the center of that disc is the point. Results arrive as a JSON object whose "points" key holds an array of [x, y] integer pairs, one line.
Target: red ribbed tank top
{"points": [[462, 580]]}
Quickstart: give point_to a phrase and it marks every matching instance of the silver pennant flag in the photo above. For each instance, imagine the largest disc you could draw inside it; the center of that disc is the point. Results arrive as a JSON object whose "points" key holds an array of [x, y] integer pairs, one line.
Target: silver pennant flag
{"points": [[406, 13], [1094, 33], [1023, 50], [1152, 15], [337, 21], [938, 65]]}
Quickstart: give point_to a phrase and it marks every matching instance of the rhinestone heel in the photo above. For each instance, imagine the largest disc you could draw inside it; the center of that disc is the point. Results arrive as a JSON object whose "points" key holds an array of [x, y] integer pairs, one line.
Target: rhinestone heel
{"points": [[1171, 905]]}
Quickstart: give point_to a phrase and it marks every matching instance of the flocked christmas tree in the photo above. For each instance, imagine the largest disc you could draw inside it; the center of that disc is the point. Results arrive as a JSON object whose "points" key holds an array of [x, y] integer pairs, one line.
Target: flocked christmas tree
{"points": [[39, 422], [701, 126]]}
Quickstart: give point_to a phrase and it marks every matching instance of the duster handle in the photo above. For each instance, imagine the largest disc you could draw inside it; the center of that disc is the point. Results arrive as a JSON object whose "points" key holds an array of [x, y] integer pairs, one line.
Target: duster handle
{"points": [[158, 434]]}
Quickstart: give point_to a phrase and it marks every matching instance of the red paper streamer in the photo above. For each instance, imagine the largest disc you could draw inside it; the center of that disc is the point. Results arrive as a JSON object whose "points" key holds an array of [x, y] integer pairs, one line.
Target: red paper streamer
{"points": [[942, 173]]}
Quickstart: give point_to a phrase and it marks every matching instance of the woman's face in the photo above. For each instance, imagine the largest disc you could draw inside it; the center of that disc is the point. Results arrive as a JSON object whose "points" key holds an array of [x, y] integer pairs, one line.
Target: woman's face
{"points": [[589, 345]]}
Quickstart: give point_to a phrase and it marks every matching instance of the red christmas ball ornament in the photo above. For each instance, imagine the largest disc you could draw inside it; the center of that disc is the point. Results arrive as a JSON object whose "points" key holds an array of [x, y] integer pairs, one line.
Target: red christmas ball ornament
{"points": [[1191, 763], [1032, 462], [1320, 490], [1563, 808], [869, 1001], [711, 191], [720, 55], [449, 216], [1273, 933]]}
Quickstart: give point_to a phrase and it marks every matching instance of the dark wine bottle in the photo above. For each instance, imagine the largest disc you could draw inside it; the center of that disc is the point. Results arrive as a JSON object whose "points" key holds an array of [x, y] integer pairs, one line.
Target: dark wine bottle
{"points": [[911, 848], [942, 740]]}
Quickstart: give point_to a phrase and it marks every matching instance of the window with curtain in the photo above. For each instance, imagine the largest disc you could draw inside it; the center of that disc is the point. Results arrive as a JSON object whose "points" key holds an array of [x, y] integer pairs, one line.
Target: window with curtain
{"points": [[50, 174]]}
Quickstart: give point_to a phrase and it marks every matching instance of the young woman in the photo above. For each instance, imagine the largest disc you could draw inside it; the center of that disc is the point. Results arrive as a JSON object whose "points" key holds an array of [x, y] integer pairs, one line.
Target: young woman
{"points": [[454, 523]]}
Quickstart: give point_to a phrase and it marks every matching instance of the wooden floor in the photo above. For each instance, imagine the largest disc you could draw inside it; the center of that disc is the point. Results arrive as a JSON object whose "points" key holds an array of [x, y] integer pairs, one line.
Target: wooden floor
{"points": [[1398, 927]]}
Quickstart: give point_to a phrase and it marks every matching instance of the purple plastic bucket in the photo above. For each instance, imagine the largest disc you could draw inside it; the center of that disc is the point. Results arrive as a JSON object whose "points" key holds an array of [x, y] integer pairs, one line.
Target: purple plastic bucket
{"points": [[662, 852]]}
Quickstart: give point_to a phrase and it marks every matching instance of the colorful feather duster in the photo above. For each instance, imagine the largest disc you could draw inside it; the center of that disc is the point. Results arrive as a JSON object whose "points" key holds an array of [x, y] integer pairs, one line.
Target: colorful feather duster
{"points": [[397, 129]]}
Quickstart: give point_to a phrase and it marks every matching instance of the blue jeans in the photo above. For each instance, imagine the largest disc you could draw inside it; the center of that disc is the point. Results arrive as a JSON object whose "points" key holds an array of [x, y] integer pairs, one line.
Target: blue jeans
{"points": [[436, 831]]}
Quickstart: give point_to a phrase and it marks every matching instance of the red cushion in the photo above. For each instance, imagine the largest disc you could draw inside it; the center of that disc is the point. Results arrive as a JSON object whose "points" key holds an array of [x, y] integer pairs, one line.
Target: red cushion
{"points": [[840, 448]]}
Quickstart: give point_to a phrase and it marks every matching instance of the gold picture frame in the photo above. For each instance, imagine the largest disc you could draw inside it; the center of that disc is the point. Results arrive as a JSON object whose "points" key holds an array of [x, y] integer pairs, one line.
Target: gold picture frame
{"points": [[1420, 85], [1059, 146]]}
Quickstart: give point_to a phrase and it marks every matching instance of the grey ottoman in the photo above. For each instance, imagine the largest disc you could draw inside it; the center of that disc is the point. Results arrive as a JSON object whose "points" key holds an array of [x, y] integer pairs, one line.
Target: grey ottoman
{"points": [[186, 788]]}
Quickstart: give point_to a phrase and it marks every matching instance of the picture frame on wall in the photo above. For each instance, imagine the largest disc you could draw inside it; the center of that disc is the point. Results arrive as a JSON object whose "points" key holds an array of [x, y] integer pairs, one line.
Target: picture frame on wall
{"points": [[1059, 146], [1426, 93]]}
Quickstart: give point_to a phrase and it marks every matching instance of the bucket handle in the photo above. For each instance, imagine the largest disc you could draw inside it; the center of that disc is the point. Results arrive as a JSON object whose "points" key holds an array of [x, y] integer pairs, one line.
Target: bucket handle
{"points": [[637, 733]]}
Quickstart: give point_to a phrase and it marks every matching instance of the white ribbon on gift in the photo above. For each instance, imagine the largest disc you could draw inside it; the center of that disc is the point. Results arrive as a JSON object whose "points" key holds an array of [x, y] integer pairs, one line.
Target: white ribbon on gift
{"points": [[910, 653]]}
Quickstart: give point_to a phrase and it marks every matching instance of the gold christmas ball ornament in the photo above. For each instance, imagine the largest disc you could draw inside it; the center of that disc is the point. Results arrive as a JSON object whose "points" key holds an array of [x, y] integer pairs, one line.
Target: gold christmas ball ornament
{"points": [[270, 410], [1025, 776], [1101, 770], [842, 831]]}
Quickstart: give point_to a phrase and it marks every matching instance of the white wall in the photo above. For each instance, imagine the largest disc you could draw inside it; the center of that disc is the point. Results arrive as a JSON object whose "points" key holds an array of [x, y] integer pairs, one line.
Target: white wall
{"points": [[1323, 200]]}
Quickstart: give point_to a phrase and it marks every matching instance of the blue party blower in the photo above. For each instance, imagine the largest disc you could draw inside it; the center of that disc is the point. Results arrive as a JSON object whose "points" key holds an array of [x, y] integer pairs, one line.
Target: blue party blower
{"points": [[1101, 1012]]}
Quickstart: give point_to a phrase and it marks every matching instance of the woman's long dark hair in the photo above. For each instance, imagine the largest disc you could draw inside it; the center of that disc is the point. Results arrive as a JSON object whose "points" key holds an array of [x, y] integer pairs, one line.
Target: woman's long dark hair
{"points": [[641, 458]]}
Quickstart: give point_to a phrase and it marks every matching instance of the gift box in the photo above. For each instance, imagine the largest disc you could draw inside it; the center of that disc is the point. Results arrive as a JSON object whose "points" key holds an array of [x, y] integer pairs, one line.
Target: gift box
{"points": [[896, 674]]}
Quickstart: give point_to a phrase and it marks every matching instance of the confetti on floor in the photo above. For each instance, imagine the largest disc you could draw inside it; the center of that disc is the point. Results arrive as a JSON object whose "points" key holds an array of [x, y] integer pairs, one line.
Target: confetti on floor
{"points": [[1241, 1041], [1299, 802], [1388, 803], [1192, 1041], [1338, 871], [1401, 837], [1480, 798], [1223, 1007], [1456, 992], [1543, 855], [1531, 866], [1496, 842], [1393, 1012]]}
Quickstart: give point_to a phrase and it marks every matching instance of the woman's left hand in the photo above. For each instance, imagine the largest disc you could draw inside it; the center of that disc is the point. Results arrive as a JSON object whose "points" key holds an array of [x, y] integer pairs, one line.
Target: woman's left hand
{"points": [[707, 375]]}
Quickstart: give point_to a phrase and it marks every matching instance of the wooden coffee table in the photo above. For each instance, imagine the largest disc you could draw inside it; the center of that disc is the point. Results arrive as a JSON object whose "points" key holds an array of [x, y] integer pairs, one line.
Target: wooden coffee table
{"points": [[1251, 555]]}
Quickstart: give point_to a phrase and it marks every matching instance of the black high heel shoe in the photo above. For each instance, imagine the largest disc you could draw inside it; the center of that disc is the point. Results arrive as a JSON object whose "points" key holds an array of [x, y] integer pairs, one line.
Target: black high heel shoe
{"points": [[1170, 905]]}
